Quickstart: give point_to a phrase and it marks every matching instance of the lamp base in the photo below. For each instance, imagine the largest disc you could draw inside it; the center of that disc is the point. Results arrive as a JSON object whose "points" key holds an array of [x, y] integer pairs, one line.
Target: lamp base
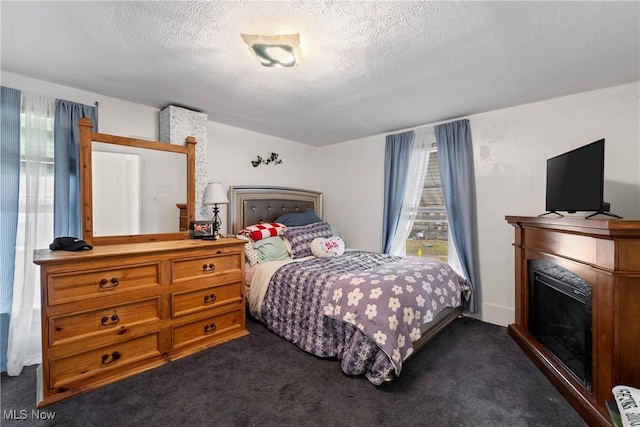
{"points": [[216, 223]]}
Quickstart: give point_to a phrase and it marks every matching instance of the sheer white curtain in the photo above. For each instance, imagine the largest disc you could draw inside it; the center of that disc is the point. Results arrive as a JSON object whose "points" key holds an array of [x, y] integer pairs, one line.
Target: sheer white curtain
{"points": [[35, 229], [423, 143]]}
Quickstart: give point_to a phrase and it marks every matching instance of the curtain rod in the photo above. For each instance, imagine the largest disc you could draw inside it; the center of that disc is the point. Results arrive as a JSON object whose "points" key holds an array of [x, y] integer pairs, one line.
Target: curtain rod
{"points": [[429, 125]]}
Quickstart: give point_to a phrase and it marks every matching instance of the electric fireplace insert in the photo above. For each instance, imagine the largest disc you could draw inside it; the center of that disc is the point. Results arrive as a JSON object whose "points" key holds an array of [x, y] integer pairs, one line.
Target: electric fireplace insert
{"points": [[560, 316]]}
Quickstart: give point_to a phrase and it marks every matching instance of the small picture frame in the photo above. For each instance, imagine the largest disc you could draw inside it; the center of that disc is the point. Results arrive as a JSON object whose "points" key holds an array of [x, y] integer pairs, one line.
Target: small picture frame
{"points": [[201, 229]]}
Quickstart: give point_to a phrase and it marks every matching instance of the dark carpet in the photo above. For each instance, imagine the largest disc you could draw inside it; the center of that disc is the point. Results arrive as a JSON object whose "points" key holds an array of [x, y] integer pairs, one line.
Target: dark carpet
{"points": [[472, 374]]}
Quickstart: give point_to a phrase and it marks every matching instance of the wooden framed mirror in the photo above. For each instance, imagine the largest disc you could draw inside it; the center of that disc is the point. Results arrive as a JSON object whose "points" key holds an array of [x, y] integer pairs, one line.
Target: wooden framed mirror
{"points": [[133, 190]]}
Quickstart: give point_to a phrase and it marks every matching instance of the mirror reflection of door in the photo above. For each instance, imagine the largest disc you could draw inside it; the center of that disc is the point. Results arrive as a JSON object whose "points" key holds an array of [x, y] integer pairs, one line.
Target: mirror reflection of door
{"points": [[116, 178]]}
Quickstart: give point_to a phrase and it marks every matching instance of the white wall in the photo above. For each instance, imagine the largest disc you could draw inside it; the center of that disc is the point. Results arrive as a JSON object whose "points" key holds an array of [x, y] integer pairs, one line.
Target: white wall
{"points": [[510, 148], [115, 116], [232, 149], [353, 187]]}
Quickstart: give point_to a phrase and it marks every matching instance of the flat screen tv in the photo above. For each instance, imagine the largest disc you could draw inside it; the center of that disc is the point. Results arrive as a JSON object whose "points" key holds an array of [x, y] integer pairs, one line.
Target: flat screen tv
{"points": [[575, 180]]}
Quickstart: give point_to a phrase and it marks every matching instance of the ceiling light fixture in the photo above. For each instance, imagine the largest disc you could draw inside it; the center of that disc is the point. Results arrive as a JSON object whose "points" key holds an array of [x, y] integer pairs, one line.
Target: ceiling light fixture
{"points": [[275, 51]]}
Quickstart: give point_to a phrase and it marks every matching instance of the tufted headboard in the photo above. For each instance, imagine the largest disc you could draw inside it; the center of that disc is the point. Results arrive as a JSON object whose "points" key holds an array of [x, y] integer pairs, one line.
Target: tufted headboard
{"points": [[250, 205]]}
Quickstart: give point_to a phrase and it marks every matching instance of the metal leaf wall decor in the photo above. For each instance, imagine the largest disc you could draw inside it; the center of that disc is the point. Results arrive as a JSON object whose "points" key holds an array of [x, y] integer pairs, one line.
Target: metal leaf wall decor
{"points": [[273, 159]]}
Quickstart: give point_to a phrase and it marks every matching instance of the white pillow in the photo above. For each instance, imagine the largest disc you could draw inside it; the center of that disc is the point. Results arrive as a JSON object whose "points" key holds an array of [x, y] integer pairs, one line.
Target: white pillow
{"points": [[251, 255], [327, 247]]}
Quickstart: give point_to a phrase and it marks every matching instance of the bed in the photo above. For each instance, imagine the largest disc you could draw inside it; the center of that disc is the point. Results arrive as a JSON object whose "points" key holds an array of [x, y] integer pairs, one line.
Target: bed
{"points": [[371, 311]]}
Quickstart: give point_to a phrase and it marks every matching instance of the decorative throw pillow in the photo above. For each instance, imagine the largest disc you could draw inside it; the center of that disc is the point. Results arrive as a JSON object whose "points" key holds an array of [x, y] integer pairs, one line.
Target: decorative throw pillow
{"points": [[271, 249], [250, 254], [297, 219], [329, 247], [300, 238], [261, 231]]}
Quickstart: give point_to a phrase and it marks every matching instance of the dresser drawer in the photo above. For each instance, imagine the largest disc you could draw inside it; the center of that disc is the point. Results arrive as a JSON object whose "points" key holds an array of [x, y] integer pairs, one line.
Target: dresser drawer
{"points": [[110, 358], [64, 288], [108, 320], [210, 328], [203, 267], [206, 298]]}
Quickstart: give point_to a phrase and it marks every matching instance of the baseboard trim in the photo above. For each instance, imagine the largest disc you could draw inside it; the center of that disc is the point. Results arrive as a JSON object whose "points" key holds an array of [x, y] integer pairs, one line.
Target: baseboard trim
{"points": [[498, 315]]}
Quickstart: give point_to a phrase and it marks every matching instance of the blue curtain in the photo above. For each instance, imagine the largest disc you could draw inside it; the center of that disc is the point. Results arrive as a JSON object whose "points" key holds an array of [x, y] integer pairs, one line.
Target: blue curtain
{"points": [[67, 220], [10, 184], [455, 159], [396, 165]]}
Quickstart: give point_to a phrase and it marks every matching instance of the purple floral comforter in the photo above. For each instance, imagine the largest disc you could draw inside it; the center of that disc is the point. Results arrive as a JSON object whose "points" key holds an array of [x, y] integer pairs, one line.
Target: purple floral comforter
{"points": [[363, 308]]}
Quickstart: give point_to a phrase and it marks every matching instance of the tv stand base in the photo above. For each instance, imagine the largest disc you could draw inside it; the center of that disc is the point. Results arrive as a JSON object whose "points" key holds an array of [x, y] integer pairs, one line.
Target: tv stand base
{"points": [[551, 212], [603, 213]]}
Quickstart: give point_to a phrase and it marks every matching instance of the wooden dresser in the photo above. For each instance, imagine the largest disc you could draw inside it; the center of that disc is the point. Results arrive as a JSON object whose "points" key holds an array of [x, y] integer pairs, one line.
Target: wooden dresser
{"points": [[606, 254], [118, 310]]}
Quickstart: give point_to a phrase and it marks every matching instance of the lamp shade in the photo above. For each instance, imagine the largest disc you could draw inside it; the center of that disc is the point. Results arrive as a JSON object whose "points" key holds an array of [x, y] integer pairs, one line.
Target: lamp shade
{"points": [[214, 194]]}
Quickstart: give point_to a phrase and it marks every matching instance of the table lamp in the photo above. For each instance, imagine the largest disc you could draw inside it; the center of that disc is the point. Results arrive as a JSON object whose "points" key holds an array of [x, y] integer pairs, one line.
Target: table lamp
{"points": [[215, 195]]}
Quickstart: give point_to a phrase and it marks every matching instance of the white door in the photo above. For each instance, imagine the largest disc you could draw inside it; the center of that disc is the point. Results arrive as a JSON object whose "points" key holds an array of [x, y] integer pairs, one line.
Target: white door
{"points": [[116, 178]]}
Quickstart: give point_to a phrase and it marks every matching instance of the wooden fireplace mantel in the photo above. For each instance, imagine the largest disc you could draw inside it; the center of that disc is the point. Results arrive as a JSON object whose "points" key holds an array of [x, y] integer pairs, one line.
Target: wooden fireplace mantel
{"points": [[605, 253]]}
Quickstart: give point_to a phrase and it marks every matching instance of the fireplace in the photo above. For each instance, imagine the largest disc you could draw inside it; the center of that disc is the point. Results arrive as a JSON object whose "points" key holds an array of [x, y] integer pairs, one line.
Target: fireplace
{"points": [[602, 253], [560, 316]]}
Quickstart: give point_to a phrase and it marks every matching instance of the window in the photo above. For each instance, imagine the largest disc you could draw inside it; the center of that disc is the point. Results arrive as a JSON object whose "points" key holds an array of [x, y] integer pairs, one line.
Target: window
{"points": [[429, 236]]}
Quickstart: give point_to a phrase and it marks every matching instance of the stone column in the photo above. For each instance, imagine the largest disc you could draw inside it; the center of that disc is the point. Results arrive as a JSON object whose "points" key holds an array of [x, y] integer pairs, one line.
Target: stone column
{"points": [[176, 123]]}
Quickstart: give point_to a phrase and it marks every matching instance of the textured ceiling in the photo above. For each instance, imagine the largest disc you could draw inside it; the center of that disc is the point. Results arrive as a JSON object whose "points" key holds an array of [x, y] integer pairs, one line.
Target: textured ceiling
{"points": [[370, 67]]}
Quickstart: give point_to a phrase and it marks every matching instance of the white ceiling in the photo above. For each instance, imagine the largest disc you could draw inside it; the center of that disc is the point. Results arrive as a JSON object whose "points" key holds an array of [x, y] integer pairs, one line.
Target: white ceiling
{"points": [[370, 67]]}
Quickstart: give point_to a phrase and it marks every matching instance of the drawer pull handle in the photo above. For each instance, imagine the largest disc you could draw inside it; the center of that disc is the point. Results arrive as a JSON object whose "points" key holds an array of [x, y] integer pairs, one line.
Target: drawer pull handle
{"points": [[114, 320], [108, 359], [208, 329], [109, 284], [210, 299], [208, 268]]}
